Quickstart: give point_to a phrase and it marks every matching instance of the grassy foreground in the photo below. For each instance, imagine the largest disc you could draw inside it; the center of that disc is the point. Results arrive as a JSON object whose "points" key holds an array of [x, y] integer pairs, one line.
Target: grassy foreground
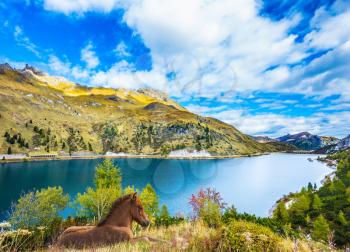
{"points": [[197, 236]]}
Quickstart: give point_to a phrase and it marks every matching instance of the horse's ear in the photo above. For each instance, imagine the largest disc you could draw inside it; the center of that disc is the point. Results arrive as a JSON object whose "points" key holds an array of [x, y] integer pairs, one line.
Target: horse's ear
{"points": [[134, 196]]}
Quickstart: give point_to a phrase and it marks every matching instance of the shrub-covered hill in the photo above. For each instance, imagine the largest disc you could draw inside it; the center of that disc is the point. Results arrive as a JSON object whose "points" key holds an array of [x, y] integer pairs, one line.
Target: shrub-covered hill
{"points": [[324, 212], [45, 113]]}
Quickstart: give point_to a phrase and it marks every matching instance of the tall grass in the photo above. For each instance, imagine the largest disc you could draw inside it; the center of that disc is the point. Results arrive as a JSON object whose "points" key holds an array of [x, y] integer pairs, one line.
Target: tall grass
{"points": [[197, 236]]}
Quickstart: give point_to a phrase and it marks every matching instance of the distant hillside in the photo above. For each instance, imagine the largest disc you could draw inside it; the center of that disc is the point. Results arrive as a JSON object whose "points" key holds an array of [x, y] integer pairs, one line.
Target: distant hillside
{"points": [[273, 143], [44, 113], [263, 139], [280, 146], [307, 141]]}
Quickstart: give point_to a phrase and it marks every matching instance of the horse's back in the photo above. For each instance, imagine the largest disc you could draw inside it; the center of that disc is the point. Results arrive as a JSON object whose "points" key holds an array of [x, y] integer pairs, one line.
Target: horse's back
{"points": [[76, 228], [89, 237]]}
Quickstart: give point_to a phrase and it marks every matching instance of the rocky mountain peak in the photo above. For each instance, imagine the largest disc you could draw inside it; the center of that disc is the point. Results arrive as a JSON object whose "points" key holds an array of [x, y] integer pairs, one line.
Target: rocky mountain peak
{"points": [[344, 143], [159, 95], [32, 70], [6, 66]]}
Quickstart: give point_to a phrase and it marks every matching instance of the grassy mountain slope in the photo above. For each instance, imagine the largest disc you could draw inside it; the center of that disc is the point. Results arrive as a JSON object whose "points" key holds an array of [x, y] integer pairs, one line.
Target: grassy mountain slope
{"points": [[51, 113]]}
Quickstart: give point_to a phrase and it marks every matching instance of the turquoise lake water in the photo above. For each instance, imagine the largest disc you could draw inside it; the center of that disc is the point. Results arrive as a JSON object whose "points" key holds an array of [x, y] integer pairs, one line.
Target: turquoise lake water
{"points": [[251, 184]]}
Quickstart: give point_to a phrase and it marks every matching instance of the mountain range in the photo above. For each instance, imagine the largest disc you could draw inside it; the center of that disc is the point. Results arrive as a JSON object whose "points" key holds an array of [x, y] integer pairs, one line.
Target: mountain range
{"points": [[309, 142], [43, 113]]}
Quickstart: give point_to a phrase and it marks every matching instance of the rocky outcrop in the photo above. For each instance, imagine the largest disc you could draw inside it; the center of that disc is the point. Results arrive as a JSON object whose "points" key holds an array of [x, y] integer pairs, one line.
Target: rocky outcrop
{"points": [[343, 144]]}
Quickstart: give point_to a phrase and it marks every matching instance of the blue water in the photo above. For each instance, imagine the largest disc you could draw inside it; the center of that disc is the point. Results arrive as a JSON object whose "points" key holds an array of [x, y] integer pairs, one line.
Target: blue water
{"points": [[251, 184]]}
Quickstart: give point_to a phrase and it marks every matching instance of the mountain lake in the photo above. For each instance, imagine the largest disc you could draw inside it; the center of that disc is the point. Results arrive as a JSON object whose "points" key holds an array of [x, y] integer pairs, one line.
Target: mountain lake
{"points": [[251, 184]]}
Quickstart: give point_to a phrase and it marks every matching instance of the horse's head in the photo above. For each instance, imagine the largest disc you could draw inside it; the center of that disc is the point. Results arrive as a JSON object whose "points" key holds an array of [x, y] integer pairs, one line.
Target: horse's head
{"points": [[137, 212]]}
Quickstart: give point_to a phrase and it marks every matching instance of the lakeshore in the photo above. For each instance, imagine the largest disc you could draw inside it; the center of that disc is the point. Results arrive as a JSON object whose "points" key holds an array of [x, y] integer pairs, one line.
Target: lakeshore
{"points": [[34, 159], [143, 156]]}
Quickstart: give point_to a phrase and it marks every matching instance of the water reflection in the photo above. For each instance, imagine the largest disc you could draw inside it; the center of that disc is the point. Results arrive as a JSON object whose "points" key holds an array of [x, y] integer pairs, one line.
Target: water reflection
{"points": [[169, 177]]}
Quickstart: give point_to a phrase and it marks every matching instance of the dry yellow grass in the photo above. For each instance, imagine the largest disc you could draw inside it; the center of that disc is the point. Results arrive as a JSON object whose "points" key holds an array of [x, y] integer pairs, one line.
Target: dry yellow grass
{"points": [[195, 236]]}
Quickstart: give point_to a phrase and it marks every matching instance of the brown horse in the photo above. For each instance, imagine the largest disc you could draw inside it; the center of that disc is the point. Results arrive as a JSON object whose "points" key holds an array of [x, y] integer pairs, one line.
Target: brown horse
{"points": [[116, 227]]}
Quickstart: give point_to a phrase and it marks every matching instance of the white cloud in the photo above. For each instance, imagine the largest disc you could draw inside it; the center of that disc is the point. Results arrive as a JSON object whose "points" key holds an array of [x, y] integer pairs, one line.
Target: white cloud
{"points": [[24, 41], [226, 46], [340, 106], [79, 73], [275, 125], [80, 6], [122, 50], [329, 29], [18, 31], [215, 46], [123, 75], [326, 75], [59, 66], [65, 68], [197, 109], [89, 56]]}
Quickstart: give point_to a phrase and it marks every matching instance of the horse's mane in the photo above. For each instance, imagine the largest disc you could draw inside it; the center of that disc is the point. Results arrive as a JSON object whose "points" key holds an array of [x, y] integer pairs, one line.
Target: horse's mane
{"points": [[116, 203]]}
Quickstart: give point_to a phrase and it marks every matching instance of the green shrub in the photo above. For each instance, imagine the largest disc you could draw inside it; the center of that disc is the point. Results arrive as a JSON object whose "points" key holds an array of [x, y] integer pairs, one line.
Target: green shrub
{"points": [[320, 229], [246, 236], [210, 213], [39, 208], [96, 202], [274, 224], [165, 219], [150, 202], [108, 175]]}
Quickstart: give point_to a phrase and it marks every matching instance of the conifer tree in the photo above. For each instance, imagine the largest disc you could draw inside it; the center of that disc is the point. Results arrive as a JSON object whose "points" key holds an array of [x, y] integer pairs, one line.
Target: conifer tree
{"points": [[150, 201], [309, 187], [281, 213], [90, 147], [316, 203], [320, 229], [341, 218]]}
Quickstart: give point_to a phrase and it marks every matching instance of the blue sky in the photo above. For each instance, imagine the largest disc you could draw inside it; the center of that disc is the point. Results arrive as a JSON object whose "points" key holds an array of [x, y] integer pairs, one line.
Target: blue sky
{"points": [[267, 67]]}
